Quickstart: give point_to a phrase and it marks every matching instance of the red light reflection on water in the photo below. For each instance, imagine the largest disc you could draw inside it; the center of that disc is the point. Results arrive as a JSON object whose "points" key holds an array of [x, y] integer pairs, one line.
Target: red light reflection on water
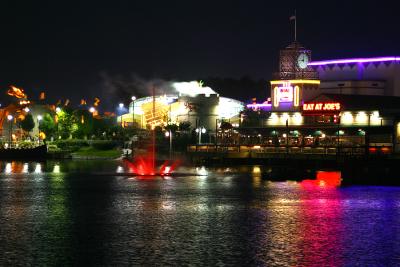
{"points": [[321, 231], [324, 179]]}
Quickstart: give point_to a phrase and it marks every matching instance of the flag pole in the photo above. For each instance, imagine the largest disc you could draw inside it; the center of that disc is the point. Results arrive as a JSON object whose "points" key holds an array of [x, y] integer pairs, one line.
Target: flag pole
{"points": [[295, 26]]}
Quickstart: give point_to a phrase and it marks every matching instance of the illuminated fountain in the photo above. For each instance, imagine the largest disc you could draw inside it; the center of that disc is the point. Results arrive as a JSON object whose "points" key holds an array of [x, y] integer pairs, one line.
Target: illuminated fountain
{"points": [[146, 165]]}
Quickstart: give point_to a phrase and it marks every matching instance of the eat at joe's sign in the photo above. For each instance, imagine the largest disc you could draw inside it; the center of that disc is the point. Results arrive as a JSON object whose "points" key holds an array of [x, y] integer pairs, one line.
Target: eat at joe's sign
{"points": [[321, 107]]}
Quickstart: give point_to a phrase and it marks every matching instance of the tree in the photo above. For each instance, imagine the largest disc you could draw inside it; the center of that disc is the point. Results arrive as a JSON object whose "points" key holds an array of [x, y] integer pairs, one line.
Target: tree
{"points": [[184, 126], [225, 126], [84, 121], [171, 127], [47, 125], [66, 123], [254, 118], [27, 124]]}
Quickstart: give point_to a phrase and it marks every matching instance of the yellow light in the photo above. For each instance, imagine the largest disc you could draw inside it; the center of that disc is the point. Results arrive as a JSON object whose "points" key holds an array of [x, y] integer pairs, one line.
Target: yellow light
{"points": [[24, 102], [276, 103], [347, 118], [296, 95], [375, 119], [42, 135], [297, 118], [256, 147], [361, 117], [296, 82], [284, 118], [256, 169]]}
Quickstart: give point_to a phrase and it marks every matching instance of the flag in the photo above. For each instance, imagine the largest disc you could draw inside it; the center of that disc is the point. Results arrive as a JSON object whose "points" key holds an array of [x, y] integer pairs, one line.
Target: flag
{"points": [[292, 18]]}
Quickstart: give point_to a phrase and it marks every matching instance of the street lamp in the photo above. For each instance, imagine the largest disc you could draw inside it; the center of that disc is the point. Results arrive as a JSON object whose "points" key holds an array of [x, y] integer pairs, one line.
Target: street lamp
{"points": [[169, 134], [121, 111], [200, 131], [26, 109], [39, 118], [10, 118], [133, 111]]}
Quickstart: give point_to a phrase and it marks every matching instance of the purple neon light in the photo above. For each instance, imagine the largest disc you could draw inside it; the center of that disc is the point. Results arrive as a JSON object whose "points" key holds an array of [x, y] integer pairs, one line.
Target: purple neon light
{"points": [[353, 60], [258, 105]]}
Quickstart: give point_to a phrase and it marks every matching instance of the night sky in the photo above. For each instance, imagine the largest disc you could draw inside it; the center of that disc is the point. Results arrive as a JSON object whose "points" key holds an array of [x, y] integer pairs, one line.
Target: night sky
{"points": [[76, 49]]}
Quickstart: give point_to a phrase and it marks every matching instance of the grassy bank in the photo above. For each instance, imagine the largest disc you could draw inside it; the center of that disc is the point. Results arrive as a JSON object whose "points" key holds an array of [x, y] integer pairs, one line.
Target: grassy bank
{"points": [[93, 152]]}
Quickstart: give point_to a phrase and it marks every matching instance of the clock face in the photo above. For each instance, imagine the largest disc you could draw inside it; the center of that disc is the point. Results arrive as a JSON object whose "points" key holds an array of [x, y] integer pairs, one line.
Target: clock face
{"points": [[302, 61]]}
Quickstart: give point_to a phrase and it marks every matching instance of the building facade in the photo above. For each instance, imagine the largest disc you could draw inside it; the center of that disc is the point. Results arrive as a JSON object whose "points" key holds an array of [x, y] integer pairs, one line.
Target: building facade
{"points": [[347, 105], [201, 106]]}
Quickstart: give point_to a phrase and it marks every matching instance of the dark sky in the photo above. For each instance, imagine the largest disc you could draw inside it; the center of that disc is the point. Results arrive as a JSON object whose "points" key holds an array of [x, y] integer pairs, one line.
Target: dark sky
{"points": [[62, 47]]}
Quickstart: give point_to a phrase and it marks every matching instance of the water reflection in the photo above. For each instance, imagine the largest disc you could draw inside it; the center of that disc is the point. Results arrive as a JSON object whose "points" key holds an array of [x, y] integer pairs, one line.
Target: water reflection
{"points": [[120, 169], [56, 168], [67, 215], [25, 168], [201, 171], [321, 228], [38, 168], [8, 168]]}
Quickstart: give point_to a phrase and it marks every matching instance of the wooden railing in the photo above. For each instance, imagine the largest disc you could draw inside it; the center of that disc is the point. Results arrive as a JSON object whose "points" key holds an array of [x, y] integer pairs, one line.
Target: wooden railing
{"points": [[323, 150]]}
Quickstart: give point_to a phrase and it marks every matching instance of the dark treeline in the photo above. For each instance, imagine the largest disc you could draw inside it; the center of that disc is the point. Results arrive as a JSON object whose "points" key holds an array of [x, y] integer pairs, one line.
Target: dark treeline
{"points": [[243, 89]]}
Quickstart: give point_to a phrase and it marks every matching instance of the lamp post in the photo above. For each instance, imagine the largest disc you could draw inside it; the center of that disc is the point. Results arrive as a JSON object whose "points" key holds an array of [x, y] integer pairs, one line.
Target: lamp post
{"points": [[338, 135], [39, 118], [133, 111], [10, 118], [200, 131], [121, 106], [58, 111], [287, 136], [169, 134]]}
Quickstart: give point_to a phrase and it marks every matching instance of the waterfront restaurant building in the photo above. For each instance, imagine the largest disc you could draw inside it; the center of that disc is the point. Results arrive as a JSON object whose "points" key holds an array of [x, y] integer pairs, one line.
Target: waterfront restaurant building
{"points": [[189, 102], [346, 105]]}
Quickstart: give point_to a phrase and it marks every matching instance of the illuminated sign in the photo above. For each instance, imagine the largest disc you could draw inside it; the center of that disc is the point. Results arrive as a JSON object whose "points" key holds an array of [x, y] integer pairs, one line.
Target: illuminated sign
{"points": [[288, 91], [285, 93], [321, 107], [296, 81]]}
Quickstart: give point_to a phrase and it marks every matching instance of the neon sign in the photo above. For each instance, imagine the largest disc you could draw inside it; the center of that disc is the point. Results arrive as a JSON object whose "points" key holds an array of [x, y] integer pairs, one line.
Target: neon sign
{"points": [[288, 91], [285, 93], [321, 107], [353, 60]]}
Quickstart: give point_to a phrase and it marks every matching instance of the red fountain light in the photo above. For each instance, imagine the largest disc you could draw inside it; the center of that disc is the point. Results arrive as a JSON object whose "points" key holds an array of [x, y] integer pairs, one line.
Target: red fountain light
{"points": [[144, 166], [324, 179]]}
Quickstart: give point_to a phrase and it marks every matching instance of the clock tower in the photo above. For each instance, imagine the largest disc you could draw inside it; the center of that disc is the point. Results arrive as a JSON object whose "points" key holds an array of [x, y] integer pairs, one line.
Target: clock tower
{"points": [[293, 62], [295, 82]]}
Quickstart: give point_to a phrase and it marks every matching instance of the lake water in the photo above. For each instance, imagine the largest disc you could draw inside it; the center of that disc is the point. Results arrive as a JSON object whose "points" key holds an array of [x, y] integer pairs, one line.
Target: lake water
{"points": [[78, 213]]}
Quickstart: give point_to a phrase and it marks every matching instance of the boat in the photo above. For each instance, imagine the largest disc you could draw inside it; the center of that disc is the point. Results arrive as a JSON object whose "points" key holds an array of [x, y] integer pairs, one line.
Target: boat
{"points": [[37, 153]]}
